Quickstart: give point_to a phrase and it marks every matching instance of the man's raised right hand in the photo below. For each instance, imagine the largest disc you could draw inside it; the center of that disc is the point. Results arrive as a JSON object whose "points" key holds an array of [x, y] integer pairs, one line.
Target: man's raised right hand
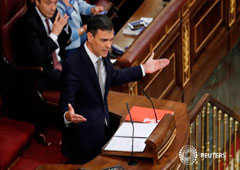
{"points": [[59, 23]]}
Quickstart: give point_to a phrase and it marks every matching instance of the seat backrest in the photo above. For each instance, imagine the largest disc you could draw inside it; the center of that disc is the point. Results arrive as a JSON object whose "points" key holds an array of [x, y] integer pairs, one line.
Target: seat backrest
{"points": [[11, 12]]}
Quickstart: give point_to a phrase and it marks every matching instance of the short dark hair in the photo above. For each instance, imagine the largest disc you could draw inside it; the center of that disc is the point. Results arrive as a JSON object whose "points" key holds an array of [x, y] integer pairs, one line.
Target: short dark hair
{"points": [[99, 22]]}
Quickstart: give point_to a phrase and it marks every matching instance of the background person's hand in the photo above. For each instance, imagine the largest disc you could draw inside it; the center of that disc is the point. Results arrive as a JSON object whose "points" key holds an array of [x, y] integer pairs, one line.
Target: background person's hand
{"points": [[96, 10], [59, 23], [71, 116]]}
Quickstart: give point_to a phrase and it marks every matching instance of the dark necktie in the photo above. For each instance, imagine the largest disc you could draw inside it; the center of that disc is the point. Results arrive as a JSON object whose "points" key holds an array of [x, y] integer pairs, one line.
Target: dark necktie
{"points": [[56, 64]]}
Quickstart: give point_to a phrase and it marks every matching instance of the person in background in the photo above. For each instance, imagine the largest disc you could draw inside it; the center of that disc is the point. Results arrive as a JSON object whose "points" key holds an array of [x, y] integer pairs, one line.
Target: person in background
{"points": [[74, 9], [44, 36], [87, 76]]}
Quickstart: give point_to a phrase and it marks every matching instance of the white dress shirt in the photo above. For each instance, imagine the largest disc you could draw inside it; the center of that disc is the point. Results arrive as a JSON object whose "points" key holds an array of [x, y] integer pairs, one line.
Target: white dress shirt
{"points": [[94, 60]]}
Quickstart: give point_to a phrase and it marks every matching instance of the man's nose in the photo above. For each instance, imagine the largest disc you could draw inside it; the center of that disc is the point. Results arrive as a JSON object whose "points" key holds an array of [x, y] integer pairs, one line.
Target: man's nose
{"points": [[53, 7], [108, 45]]}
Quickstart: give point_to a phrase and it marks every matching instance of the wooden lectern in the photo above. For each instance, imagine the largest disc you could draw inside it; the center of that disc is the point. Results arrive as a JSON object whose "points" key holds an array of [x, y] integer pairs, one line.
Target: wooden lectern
{"points": [[157, 143], [169, 160], [162, 137]]}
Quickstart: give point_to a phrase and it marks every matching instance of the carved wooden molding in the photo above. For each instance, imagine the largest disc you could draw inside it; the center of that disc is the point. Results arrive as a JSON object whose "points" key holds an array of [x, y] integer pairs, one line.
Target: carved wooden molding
{"points": [[185, 8], [133, 90], [192, 2], [232, 12], [185, 52]]}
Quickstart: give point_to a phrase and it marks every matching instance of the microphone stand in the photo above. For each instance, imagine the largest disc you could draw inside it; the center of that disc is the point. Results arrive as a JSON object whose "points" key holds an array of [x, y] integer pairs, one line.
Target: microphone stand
{"points": [[146, 95], [131, 162]]}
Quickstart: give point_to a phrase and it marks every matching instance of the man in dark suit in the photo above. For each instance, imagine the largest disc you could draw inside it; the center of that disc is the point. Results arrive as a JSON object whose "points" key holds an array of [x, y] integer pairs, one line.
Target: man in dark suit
{"points": [[44, 35], [87, 77], [44, 39]]}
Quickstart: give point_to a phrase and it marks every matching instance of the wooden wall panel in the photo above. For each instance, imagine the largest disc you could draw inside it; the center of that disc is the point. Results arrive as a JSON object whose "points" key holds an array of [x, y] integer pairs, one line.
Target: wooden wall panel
{"points": [[206, 64], [172, 22], [238, 8], [161, 83], [159, 86], [205, 24]]}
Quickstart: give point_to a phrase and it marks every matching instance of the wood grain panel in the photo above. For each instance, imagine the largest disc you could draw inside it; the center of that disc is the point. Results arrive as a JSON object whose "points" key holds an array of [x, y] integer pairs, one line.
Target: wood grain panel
{"points": [[238, 8], [172, 22], [192, 2], [161, 83], [206, 24], [159, 86], [205, 65], [185, 8]]}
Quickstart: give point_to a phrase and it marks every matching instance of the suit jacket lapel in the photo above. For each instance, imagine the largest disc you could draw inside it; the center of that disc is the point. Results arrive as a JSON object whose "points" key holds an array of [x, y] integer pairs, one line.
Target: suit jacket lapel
{"points": [[91, 70], [39, 22], [107, 84]]}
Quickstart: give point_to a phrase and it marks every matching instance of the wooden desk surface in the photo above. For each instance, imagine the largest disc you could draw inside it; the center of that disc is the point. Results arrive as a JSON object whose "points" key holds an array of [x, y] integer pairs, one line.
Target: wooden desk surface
{"points": [[116, 102], [149, 8]]}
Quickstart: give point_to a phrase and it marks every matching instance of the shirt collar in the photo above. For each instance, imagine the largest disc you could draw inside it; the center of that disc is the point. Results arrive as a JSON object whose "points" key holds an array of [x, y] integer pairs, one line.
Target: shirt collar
{"points": [[92, 56], [43, 18]]}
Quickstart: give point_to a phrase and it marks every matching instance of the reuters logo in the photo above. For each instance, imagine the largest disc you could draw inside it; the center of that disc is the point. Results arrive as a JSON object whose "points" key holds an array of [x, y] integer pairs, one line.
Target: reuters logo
{"points": [[188, 155]]}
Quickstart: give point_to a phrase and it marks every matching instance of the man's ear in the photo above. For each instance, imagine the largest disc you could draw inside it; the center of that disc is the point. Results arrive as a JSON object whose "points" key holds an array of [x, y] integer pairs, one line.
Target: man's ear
{"points": [[89, 37], [37, 2]]}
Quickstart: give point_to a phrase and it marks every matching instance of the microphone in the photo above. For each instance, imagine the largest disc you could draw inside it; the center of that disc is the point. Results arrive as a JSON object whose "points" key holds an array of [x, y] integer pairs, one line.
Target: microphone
{"points": [[147, 96], [131, 162]]}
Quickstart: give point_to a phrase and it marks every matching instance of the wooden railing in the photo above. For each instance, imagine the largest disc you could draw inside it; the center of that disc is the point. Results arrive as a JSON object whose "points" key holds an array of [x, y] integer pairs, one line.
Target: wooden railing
{"points": [[215, 133]]}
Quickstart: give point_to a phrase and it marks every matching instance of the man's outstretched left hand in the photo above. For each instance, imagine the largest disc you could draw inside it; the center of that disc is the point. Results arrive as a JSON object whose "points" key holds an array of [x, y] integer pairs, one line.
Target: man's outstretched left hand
{"points": [[153, 65]]}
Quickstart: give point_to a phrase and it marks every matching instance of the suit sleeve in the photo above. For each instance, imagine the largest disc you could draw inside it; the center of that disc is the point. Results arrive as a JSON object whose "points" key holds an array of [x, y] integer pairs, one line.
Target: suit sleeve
{"points": [[64, 39], [85, 8], [70, 86], [126, 75]]}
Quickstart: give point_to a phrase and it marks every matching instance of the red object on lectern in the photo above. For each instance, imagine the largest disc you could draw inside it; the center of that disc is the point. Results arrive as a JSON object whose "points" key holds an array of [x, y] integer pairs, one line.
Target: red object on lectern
{"points": [[146, 115]]}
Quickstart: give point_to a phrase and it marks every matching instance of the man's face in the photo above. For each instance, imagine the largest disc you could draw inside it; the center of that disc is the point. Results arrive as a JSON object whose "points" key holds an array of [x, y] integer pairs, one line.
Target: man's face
{"points": [[47, 7], [101, 43]]}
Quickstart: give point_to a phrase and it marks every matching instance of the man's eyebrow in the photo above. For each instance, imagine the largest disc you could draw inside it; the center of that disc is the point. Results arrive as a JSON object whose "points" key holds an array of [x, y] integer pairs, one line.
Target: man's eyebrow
{"points": [[106, 39]]}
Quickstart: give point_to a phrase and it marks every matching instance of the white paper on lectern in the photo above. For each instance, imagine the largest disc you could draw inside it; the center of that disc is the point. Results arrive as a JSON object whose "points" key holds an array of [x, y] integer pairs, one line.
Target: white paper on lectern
{"points": [[125, 144], [140, 129]]}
